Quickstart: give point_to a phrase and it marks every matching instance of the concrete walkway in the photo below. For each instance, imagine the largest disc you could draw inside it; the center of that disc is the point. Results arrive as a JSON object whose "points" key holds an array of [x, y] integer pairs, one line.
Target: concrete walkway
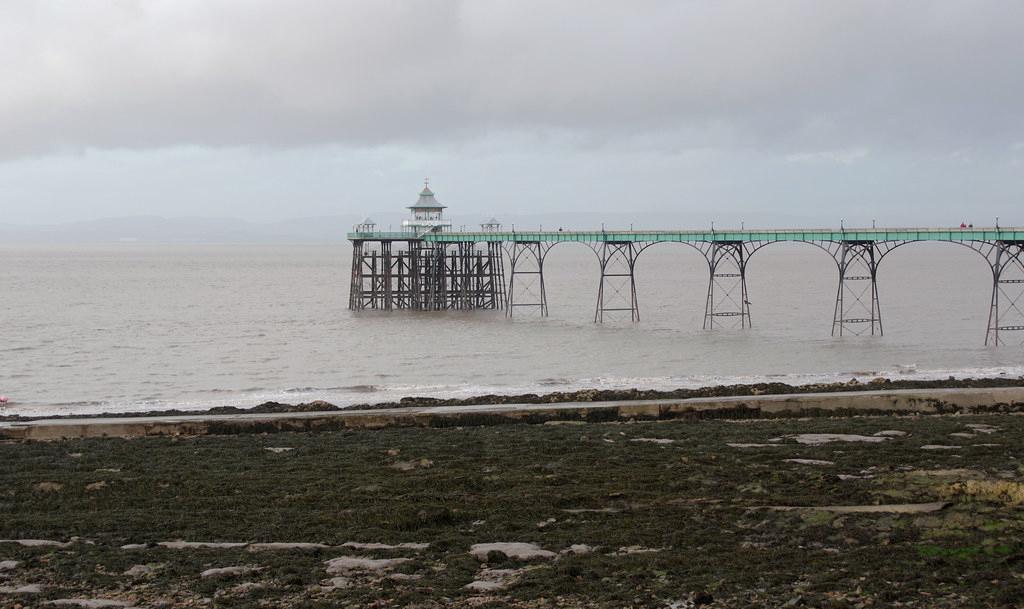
{"points": [[901, 401]]}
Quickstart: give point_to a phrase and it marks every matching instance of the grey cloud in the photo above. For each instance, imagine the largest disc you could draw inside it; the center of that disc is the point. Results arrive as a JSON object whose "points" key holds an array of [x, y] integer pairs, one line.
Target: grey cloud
{"points": [[801, 76]]}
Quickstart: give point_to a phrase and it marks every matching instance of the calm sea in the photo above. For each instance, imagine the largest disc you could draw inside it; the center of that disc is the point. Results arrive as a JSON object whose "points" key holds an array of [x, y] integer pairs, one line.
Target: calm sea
{"points": [[130, 327]]}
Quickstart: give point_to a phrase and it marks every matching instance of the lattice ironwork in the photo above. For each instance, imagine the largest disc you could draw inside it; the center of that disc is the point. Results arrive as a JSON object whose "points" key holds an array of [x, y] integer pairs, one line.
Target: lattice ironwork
{"points": [[526, 290], [857, 309], [458, 270], [727, 299], [1006, 309], [425, 276], [616, 291]]}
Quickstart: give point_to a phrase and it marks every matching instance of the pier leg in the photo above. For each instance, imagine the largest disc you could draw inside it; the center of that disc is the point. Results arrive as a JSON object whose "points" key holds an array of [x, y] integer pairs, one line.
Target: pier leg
{"points": [[437, 277], [496, 276], [727, 284], [526, 278], [416, 301], [355, 286], [463, 277], [857, 309], [486, 276], [616, 291], [385, 278], [366, 289], [429, 276], [402, 274], [1006, 312]]}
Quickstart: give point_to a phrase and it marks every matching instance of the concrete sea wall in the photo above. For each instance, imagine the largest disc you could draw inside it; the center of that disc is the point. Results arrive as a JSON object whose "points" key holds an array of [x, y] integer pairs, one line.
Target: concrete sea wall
{"points": [[926, 401]]}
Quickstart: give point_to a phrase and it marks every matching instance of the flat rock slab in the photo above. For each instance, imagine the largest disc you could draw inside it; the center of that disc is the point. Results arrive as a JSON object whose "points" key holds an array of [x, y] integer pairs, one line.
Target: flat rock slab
{"points": [[484, 585], [604, 510], [385, 546], [637, 550], [26, 589], [896, 508], [335, 583], [191, 545], [230, 571], [139, 571], [36, 543], [579, 549], [7, 565], [88, 603], [492, 580], [815, 439], [353, 564], [516, 550], [982, 428], [810, 461]]}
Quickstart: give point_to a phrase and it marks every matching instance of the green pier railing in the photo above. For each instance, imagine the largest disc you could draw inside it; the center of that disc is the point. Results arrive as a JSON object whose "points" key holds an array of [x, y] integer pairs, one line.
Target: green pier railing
{"points": [[799, 234]]}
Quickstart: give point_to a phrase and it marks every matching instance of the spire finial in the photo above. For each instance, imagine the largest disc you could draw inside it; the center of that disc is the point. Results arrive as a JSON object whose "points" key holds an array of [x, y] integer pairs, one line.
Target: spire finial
{"points": [[426, 182]]}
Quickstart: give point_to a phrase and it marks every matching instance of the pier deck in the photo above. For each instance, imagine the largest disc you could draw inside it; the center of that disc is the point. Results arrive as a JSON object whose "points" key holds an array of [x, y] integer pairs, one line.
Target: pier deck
{"points": [[696, 236]]}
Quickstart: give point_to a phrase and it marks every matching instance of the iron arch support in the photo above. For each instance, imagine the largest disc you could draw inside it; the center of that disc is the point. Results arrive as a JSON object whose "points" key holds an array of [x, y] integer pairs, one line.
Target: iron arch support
{"points": [[727, 295], [1006, 306], [857, 304], [616, 290], [527, 287]]}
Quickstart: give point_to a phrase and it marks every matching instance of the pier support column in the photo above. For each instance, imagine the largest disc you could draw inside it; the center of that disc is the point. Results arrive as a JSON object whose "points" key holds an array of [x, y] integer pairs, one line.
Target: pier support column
{"points": [[475, 276], [403, 274], [383, 281], [526, 277], [857, 309], [494, 282], [436, 276], [370, 286], [427, 277], [463, 277], [616, 291], [1006, 312], [727, 284], [355, 286]]}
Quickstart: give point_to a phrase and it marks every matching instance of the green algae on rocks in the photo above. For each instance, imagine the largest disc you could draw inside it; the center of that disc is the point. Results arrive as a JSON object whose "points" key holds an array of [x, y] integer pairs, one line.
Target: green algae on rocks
{"points": [[714, 513]]}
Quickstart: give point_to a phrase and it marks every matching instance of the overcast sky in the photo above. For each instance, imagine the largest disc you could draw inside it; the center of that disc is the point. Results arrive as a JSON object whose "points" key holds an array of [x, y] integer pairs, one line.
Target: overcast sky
{"points": [[908, 112]]}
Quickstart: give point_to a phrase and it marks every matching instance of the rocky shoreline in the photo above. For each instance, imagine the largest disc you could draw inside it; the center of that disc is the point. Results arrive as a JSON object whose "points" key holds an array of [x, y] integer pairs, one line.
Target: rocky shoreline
{"points": [[827, 512], [583, 395]]}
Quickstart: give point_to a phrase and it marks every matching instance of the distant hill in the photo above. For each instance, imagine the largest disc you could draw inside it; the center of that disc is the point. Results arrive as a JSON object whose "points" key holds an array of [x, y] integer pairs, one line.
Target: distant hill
{"points": [[154, 229]]}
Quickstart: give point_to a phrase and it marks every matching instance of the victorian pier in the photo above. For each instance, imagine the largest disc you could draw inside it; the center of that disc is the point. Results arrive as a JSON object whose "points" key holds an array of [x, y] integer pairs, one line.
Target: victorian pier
{"points": [[427, 266]]}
